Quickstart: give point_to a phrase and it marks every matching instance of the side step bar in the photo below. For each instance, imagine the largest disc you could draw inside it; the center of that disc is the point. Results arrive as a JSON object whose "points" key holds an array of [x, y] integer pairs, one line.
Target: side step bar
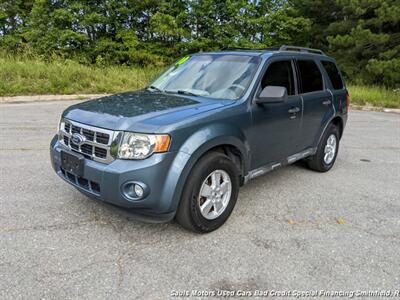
{"points": [[270, 167]]}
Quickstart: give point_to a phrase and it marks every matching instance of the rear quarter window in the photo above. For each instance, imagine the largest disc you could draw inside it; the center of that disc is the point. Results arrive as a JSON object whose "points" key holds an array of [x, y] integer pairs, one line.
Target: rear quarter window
{"points": [[310, 76], [333, 73]]}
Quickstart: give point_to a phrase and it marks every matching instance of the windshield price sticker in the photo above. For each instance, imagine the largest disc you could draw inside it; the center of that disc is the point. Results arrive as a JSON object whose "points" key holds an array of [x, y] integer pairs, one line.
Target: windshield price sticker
{"points": [[182, 60]]}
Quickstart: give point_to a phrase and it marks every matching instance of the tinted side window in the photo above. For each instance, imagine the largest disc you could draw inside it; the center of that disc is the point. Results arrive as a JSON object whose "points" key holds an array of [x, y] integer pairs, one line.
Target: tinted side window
{"points": [[333, 74], [310, 76], [279, 73]]}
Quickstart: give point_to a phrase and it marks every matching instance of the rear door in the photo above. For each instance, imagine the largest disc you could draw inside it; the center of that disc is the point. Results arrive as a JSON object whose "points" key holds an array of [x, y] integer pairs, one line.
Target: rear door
{"points": [[317, 100], [276, 126], [337, 87]]}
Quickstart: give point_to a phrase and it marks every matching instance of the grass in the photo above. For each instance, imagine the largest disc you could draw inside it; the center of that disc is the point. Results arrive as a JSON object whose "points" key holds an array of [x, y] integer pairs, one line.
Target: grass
{"points": [[33, 76], [24, 76], [374, 96]]}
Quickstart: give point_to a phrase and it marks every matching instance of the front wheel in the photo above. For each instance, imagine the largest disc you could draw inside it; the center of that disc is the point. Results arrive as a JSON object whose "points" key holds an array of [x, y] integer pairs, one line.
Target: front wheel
{"points": [[210, 193], [328, 147]]}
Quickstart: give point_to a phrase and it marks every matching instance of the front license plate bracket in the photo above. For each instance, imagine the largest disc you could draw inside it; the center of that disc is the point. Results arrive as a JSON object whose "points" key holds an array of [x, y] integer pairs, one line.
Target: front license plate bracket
{"points": [[72, 163]]}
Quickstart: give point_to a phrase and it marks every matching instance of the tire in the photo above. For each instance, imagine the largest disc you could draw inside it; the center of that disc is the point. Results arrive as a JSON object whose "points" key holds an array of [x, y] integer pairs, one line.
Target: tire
{"points": [[213, 215], [321, 161]]}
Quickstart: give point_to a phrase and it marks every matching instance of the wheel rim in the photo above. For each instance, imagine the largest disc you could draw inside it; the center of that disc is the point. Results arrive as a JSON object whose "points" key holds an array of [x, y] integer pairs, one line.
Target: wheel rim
{"points": [[330, 149], [214, 195]]}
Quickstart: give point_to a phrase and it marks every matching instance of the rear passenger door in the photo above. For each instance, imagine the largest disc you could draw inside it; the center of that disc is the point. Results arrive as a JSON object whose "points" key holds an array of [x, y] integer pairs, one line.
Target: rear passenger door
{"points": [[317, 100], [337, 87]]}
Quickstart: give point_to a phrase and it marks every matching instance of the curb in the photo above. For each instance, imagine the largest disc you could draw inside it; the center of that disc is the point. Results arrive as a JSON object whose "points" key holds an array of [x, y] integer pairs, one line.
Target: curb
{"points": [[24, 99], [375, 108]]}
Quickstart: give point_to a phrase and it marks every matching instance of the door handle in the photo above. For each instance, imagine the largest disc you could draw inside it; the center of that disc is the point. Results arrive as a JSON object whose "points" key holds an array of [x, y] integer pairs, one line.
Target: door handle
{"points": [[293, 110], [327, 102]]}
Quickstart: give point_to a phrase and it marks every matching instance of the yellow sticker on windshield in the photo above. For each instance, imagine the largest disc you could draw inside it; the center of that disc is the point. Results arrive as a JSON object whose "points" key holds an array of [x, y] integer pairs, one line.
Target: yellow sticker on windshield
{"points": [[182, 60]]}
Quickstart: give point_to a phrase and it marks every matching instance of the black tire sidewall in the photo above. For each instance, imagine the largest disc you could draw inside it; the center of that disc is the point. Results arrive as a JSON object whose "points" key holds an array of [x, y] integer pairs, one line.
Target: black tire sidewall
{"points": [[332, 129], [208, 164]]}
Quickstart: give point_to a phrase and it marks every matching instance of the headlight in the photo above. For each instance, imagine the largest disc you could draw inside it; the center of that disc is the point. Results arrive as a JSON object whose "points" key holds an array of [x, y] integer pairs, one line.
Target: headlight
{"points": [[139, 146]]}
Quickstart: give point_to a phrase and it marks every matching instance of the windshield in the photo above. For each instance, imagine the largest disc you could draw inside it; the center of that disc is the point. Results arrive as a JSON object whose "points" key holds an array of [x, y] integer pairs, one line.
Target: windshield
{"points": [[218, 76]]}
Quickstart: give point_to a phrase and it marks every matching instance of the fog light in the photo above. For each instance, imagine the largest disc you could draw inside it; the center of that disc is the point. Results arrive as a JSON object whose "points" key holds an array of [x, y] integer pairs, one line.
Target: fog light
{"points": [[133, 190], [138, 190]]}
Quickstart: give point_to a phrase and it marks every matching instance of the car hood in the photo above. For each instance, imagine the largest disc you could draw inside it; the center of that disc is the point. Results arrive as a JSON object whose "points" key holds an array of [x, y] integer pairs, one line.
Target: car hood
{"points": [[140, 111]]}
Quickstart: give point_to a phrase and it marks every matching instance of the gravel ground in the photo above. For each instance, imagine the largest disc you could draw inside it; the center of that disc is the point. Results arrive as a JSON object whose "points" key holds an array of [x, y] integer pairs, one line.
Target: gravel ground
{"points": [[292, 229]]}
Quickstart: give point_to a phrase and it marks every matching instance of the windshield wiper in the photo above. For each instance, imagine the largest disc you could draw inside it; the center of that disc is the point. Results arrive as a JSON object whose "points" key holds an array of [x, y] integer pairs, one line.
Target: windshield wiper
{"points": [[154, 88], [182, 92]]}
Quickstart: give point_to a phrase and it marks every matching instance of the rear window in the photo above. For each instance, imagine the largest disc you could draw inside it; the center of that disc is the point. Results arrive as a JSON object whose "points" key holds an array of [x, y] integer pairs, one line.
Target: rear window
{"points": [[310, 76], [333, 74]]}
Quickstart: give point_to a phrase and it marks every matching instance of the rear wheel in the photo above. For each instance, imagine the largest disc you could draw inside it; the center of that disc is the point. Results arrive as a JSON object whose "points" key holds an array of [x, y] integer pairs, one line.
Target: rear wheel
{"points": [[327, 151], [210, 193]]}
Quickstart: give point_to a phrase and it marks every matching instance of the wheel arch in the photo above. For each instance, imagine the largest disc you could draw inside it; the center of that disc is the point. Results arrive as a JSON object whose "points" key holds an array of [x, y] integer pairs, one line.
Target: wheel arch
{"points": [[228, 145], [338, 121], [231, 143], [234, 154]]}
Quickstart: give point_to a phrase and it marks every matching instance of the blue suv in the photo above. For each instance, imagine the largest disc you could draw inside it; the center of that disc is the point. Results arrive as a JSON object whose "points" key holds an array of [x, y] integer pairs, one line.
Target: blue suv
{"points": [[183, 146]]}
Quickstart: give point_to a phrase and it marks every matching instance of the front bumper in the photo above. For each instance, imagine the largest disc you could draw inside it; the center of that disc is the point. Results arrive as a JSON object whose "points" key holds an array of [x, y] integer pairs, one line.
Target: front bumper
{"points": [[104, 182]]}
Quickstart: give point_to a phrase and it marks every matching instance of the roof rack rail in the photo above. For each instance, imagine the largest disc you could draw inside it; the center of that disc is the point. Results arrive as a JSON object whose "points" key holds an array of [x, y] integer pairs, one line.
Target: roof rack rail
{"points": [[301, 49], [245, 48]]}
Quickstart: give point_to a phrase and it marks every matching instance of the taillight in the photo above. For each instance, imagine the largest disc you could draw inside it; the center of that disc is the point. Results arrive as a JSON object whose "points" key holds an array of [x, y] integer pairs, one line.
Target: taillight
{"points": [[347, 102]]}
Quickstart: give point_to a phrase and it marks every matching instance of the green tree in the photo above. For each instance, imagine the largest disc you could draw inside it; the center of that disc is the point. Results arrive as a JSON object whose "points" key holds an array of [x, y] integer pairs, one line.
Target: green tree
{"points": [[321, 14], [367, 42], [364, 35], [51, 29], [13, 17]]}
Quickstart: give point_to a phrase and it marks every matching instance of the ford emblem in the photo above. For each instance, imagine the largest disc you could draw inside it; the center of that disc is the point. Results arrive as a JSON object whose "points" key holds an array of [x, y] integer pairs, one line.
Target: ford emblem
{"points": [[78, 139]]}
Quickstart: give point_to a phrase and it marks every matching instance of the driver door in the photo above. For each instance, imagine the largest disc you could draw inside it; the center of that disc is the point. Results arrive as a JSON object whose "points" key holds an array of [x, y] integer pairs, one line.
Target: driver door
{"points": [[276, 126]]}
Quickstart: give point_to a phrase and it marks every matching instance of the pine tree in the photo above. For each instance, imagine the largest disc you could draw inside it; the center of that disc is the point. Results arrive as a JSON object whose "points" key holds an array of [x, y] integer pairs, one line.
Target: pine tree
{"points": [[366, 41]]}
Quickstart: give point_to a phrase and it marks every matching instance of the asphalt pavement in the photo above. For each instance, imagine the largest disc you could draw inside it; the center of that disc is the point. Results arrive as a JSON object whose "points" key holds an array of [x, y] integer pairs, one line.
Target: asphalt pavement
{"points": [[291, 230]]}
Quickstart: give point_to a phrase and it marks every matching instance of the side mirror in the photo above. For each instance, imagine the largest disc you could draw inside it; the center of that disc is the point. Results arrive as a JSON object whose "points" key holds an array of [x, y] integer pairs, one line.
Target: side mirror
{"points": [[272, 94]]}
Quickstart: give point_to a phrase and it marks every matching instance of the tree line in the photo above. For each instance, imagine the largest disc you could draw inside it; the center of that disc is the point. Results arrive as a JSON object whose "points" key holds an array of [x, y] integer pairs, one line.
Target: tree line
{"points": [[363, 35]]}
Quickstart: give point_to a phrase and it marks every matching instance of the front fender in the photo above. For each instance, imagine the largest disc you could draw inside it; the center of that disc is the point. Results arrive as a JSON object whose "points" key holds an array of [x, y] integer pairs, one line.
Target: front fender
{"points": [[215, 135], [194, 147]]}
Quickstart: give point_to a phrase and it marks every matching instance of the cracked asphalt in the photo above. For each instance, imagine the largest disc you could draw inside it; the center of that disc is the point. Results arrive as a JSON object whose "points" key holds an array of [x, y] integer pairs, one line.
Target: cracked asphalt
{"points": [[292, 229]]}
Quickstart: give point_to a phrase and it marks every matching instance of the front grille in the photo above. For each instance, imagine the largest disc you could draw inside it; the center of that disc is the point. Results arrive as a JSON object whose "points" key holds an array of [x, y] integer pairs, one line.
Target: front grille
{"points": [[100, 152], [88, 185], [74, 146], [102, 138], [87, 149], [76, 129], [66, 140], [97, 140], [89, 134], [67, 127]]}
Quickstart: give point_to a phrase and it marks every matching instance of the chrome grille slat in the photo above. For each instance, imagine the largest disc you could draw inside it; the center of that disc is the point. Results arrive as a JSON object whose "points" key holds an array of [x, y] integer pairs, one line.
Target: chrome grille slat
{"points": [[91, 148]]}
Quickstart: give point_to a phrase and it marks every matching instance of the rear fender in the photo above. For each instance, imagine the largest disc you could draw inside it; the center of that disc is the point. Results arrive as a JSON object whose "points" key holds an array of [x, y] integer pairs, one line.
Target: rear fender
{"points": [[326, 123]]}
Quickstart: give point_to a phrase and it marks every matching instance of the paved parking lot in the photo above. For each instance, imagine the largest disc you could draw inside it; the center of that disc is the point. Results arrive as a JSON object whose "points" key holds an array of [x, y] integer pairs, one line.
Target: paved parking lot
{"points": [[292, 229]]}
